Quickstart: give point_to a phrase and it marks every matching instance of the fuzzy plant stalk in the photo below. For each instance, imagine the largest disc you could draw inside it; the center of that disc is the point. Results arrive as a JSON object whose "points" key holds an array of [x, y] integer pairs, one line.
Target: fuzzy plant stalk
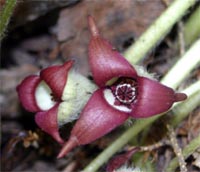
{"points": [[157, 30], [182, 69], [192, 27], [187, 151], [140, 124], [5, 15]]}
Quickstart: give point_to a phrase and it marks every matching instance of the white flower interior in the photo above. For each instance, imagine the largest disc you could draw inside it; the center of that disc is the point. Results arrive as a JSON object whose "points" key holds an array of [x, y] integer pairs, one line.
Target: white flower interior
{"points": [[110, 98], [43, 96]]}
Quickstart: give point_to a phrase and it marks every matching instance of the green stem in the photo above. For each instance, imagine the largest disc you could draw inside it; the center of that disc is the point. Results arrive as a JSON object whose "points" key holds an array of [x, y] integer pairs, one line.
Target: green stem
{"points": [[192, 89], [5, 15], [184, 66], [138, 126], [192, 27], [157, 30], [187, 151]]}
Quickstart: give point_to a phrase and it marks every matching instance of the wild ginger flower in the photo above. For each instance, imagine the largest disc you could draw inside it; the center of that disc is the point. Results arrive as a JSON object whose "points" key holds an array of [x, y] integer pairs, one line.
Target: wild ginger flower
{"points": [[122, 94], [57, 95]]}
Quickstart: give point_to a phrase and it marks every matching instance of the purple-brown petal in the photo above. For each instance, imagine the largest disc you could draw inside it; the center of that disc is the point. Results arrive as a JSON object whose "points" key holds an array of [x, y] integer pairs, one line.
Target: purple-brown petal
{"points": [[47, 121], [97, 119], [120, 160], [153, 98], [26, 92], [56, 78], [105, 62]]}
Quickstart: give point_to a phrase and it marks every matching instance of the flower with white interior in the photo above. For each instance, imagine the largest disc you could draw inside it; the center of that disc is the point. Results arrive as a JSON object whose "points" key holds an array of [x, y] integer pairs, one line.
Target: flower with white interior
{"points": [[57, 95], [122, 94]]}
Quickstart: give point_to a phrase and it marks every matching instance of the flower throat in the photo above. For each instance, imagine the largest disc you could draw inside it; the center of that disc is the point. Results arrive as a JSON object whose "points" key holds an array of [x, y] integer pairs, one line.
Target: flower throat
{"points": [[125, 91]]}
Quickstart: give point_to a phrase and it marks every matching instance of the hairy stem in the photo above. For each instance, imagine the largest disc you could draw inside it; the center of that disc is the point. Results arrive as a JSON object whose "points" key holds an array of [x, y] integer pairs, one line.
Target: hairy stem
{"points": [[181, 69], [181, 40], [5, 15], [157, 30], [192, 27]]}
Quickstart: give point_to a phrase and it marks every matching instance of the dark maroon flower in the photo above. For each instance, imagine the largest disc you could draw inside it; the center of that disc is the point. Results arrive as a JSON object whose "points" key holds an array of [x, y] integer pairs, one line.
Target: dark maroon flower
{"points": [[54, 95], [122, 94]]}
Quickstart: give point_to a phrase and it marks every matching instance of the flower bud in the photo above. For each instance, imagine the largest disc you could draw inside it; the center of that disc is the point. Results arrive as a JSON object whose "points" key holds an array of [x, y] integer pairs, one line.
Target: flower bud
{"points": [[120, 160]]}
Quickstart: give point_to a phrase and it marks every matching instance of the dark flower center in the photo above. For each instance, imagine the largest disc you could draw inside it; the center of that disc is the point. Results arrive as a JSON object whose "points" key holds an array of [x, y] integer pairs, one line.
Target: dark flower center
{"points": [[124, 91]]}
